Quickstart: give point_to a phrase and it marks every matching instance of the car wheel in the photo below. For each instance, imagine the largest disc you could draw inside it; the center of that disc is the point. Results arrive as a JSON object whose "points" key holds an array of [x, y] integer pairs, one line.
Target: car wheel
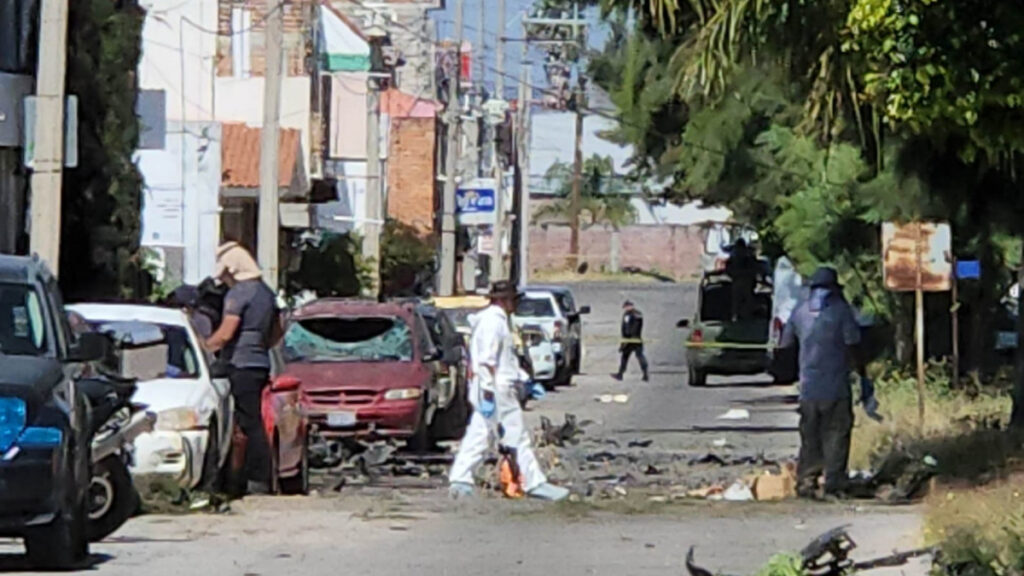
{"points": [[64, 544], [298, 484], [697, 377], [112, 498]]}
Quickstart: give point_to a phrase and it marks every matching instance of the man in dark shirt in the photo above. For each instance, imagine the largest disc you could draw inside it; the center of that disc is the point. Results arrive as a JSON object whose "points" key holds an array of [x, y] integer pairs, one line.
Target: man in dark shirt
{"points": [[828, 336], [250, 326], [632, 340], [742, 269]]}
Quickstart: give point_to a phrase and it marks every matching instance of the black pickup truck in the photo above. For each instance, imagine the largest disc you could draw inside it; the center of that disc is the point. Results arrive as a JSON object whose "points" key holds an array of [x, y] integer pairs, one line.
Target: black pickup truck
{"points": [[44, 417]]}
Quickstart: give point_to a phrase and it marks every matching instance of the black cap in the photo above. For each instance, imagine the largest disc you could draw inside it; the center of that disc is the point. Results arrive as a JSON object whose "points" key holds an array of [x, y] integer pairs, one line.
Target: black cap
{"points": [[825, 277], [627, 303], [502, 289]]}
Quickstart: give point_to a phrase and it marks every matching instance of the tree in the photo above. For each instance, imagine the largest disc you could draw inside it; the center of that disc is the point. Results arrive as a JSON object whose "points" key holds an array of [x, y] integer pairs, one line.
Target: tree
{"points": [[925, 95], [102, 197], [603, 199]]}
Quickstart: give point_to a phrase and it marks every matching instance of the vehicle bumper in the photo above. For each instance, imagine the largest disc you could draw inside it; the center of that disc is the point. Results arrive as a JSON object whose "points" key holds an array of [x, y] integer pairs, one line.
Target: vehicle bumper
{"points": [[28, 490], [177, 455], [386, 419], [729, 360]]}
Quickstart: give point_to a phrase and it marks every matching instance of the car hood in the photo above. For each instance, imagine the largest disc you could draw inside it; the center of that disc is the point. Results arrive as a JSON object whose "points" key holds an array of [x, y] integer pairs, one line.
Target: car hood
{"points": [[29, 377], [167, 393], [366, 375]]}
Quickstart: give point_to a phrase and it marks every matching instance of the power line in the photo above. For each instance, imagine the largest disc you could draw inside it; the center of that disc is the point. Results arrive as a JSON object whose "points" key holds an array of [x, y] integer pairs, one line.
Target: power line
{"points": [[603, 114]]}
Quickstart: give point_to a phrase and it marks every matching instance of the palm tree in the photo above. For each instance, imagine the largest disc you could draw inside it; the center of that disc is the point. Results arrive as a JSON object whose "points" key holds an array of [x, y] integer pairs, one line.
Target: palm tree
{"points": [[603, 197]]}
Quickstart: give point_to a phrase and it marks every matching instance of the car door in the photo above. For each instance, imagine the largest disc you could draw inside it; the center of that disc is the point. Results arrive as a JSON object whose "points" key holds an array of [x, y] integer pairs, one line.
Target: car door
{"points": [[568, 307], [218, 378]]}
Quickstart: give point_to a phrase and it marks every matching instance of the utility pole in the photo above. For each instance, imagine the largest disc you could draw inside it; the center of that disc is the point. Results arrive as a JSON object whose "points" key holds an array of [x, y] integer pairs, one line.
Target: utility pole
{"points": [[497, 271], [499, 80], [523, 156], [374, 182], [48, 155], [269, 217], [447, 282], [577, 181], [481, 47]]}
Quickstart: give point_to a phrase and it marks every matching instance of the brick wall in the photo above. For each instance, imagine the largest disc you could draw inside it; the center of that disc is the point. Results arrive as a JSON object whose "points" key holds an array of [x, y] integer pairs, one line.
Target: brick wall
{"points": [[411, 188], [670, 250], [298, 20]]}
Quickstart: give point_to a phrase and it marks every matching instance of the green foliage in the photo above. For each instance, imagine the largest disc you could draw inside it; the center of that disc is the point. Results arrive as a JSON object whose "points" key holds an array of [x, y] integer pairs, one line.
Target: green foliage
{"points": [[783, 565], [603, 198], [331, 265], [407, 260], [102, 196]]}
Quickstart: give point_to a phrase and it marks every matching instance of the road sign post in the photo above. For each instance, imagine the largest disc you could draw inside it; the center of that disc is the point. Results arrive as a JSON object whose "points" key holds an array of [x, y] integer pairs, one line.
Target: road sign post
{"points": [[915, 259]]}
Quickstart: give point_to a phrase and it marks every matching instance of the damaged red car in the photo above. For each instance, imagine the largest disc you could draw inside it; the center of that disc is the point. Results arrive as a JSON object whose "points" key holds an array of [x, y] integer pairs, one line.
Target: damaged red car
{"points": [[370, 371]]}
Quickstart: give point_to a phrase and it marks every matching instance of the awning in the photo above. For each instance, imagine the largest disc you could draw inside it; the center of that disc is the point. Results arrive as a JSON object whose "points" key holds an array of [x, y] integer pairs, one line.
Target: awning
{"points": [[344, 48]]}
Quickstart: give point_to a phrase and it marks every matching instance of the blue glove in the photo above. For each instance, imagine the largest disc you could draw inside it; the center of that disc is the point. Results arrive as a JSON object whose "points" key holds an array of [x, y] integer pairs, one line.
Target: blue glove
{"points": [[487, 406]]}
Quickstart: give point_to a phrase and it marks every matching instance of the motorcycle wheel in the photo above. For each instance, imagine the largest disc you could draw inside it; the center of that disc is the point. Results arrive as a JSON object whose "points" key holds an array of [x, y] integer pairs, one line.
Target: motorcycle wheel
{"points": [[111, 500]]}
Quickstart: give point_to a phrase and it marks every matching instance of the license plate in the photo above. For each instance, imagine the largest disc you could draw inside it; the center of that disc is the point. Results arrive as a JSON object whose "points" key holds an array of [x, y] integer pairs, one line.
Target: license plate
{"points": [[341, 419]]}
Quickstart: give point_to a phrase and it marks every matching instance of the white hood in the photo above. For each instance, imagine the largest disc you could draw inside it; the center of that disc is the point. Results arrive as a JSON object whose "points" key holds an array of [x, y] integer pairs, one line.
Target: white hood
{"points": [[167, 393]]}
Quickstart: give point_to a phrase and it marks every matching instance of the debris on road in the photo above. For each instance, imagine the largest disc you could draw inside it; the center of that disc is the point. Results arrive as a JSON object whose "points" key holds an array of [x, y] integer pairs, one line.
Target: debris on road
{"points": [[567, 433], [736, 414], [738, 492], [612, 398], [773, 487], [640, 443]]}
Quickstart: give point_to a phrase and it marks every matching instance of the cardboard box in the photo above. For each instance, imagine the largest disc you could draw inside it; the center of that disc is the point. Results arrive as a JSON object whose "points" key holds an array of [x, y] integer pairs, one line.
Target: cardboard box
{"points": [[772, 487]]}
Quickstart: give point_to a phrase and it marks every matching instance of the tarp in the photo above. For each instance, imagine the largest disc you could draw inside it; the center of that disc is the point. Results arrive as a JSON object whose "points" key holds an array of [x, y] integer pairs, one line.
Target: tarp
{"points": [[344, 48]]}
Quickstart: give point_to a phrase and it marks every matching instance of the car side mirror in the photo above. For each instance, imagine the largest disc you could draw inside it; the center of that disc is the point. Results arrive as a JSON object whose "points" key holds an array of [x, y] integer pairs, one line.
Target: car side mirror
{"points": [[90, 347], [684, 323], [285, 383], [584, 310]]}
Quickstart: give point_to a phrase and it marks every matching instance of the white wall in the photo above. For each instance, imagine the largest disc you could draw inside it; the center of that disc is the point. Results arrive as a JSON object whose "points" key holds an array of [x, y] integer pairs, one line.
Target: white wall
{"points": [[179, 57], [181, 195]]}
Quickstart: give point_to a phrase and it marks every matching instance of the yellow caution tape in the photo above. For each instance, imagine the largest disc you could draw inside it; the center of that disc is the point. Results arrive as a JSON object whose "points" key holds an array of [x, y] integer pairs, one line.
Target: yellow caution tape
{"points": [[735, 345]]}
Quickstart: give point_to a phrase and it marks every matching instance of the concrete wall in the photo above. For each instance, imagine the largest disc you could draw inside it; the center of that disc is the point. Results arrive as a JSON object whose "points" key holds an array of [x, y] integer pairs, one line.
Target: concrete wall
{"points": [[670, 250], [411, 189]]}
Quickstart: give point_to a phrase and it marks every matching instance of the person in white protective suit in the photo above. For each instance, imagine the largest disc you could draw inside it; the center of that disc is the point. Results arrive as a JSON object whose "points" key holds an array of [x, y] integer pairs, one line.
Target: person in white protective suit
{"points": [[496, 411]]}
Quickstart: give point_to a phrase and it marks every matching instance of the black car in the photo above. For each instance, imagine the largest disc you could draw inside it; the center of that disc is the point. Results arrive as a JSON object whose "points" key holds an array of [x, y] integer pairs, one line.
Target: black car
{"points": [[450, 423], [45, 431]]}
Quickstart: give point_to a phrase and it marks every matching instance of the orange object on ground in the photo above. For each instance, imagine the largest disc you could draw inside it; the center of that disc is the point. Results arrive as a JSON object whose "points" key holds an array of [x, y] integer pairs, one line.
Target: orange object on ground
{"points": [[511, 480]]}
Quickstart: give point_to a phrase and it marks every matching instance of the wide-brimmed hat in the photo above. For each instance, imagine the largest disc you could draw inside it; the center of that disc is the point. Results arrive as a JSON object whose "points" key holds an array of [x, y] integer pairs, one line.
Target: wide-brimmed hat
{"points": [[502, 289], [825, 277], [234, 259]]}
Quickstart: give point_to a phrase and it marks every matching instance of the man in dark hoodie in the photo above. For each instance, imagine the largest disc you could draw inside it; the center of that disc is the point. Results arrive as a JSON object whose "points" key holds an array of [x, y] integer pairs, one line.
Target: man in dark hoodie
{"points": [[828, 338], [632, 340]]}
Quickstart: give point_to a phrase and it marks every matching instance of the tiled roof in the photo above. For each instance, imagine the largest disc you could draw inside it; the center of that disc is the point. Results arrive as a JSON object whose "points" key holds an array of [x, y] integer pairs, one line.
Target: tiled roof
{"points": [[240, 156]]}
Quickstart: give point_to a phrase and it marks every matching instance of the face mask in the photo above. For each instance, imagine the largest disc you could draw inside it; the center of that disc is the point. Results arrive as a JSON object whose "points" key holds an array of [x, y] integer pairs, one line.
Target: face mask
{"points": [[820, 298]]}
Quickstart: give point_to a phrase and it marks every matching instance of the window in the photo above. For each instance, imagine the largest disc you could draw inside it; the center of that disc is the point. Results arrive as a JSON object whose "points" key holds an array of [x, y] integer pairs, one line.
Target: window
{"points": [[566, 304], [354, 339], [182, 357], [241, 45], [22, 323], [535, 308]]}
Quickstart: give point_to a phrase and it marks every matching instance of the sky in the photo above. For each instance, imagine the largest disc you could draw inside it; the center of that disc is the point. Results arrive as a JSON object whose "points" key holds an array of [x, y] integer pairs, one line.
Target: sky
{"points": [[514, 11]]}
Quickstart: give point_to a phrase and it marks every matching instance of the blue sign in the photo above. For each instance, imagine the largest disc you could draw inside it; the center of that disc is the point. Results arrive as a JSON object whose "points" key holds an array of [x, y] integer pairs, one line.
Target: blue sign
{"points": [[474, 200], [968, 269]]}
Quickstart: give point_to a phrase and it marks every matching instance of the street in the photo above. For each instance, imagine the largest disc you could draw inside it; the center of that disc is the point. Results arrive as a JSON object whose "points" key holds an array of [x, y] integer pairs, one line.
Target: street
{"points": [[416, 530]]}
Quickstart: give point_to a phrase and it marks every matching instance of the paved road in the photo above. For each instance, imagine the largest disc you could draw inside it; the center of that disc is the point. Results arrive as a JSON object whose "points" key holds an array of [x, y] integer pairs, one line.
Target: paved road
{"points": [[418, 531]]}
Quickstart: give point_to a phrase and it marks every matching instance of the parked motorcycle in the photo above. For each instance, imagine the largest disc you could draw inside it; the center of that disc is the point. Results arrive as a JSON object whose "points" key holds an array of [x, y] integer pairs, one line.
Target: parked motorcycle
{"points": [[116, 422]]}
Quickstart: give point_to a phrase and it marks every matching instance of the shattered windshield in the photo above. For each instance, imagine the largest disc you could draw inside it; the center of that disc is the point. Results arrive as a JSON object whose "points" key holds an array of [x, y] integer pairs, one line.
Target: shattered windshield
{"points": [[371, 339], [22, 325], [460, 316]]}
